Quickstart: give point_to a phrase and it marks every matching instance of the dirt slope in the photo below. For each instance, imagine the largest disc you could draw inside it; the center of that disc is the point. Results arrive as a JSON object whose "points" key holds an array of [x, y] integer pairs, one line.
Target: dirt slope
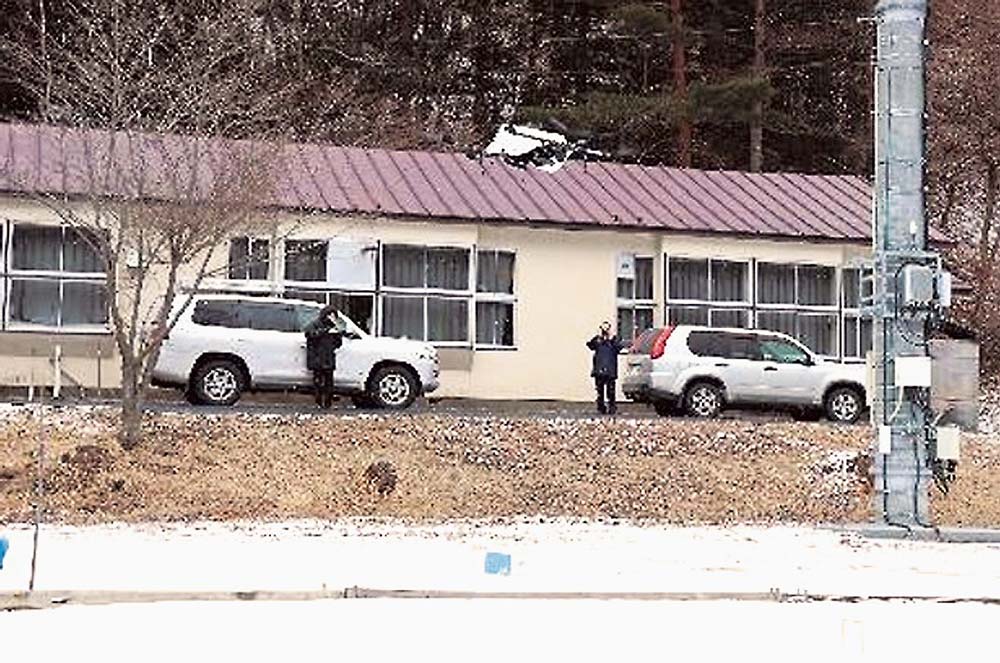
{"points": [[267, 467]]}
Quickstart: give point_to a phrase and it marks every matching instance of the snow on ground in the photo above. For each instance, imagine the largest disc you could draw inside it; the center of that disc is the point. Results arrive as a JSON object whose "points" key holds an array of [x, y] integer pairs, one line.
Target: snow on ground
{"points": [[546, 557], [500, 630], [557, 556]]}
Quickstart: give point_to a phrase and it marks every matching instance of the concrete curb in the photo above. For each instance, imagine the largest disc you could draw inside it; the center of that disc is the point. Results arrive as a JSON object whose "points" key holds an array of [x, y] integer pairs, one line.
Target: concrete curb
{"points": [[39, 600], [924, 534]]}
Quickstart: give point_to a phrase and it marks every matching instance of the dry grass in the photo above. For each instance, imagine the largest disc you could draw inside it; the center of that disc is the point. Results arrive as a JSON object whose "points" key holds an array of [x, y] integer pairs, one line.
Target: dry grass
{"points": [[974, 500], [195, 467], [242, 466]]}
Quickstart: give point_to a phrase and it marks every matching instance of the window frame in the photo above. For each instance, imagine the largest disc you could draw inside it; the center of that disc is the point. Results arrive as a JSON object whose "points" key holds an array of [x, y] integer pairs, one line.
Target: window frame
{"points": [[327, 293], [798, 310], [247, 266], [296, 283], [709, 305], [425, 292], [635, 303], [9, 275], [487, 297], [859, 314]]}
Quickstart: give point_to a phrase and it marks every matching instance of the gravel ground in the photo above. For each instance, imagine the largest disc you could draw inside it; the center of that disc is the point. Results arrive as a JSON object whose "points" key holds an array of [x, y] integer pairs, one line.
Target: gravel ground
{"points": [[280, 466]]}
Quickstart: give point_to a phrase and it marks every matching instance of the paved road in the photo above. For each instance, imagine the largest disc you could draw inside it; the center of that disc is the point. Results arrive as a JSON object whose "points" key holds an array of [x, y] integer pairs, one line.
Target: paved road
{"points": [[292, 404]]}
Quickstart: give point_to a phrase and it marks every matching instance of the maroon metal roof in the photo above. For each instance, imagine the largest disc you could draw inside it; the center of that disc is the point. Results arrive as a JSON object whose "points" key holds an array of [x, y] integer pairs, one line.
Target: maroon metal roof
{"points": [[412, 184]]}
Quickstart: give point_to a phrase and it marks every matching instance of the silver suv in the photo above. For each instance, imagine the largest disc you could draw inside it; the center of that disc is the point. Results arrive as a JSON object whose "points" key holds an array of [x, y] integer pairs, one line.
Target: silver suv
{"points": [[701, 370]]}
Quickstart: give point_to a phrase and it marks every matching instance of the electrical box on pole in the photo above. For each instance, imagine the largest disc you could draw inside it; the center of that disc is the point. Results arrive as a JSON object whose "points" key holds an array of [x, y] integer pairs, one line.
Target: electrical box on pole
{"points": [[911, 288]]}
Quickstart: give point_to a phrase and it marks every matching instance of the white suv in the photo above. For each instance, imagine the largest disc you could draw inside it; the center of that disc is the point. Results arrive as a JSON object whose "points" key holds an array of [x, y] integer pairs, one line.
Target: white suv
{"points": [[702, 369], [223, 345]]}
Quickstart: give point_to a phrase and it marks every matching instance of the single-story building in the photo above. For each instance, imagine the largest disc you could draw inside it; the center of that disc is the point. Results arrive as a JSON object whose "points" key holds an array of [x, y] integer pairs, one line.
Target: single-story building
{"points": [[507, 271]]}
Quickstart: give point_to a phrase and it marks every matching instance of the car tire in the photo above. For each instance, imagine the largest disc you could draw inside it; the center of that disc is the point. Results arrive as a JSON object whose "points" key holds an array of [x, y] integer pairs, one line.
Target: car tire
{"points": [[217, 382], [703, 400], [663, 408], [393, 388], [844, 405]]}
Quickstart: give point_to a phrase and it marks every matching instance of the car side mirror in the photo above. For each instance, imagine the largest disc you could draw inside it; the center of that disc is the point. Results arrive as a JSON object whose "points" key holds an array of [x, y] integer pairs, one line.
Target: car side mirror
{"points": [[807, 361]]}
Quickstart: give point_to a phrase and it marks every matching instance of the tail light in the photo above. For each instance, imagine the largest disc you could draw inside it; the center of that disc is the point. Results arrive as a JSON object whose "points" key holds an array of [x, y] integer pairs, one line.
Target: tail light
{"points": [[660, 344]]}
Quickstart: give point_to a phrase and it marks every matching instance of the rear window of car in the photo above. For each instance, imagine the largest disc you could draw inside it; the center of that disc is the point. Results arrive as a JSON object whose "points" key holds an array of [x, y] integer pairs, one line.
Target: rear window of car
{"points": [[644, 344], [723, 344]]}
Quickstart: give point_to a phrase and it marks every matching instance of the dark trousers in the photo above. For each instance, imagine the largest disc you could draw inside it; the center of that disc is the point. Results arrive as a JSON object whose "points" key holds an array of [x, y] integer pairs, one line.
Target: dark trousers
{"points": [[323, 387], [605, 392]]}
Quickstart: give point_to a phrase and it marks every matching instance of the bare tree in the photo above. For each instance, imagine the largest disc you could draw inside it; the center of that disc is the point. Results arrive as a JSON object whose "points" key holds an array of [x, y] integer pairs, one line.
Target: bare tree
{"points": [[964, 146], [153, 208]]}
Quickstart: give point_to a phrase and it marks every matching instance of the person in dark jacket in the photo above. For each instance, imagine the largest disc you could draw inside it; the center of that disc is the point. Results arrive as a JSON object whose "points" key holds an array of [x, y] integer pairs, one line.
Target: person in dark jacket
{"points": [[322, 340], [605, 372]]}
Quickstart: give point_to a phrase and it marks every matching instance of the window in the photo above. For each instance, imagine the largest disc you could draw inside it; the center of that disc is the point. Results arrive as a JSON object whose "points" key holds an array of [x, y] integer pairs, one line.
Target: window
{"points": [[817, 286], [305, 260], [728, 346], [688, 315], [708, 292], [802, 302], [428, 268], [688, 279], [635, 296], [857, 326], [818, 331], [53, 277], [249, 258], [775, 283], [781, 351], [263, 316], [797, 285], [427, 293], [434, 319], [359, 307], [269, 317], [215, 313], [728, 281], [495, 298]]}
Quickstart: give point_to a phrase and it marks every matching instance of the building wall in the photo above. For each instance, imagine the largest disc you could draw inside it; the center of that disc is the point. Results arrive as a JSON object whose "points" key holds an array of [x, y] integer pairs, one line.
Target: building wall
{"points": [[564, 281]]}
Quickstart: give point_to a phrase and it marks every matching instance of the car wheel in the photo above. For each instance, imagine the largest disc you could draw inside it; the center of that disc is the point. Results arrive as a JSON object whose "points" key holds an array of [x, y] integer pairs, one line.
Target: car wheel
{"points": [[393, 387], [703, 400], [217, 382], [663, 408], [844, 405]]}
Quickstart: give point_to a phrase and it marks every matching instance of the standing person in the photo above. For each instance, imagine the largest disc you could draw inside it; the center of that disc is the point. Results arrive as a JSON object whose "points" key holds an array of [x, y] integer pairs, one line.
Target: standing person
{"points": [[605, 372], [322, 340]]}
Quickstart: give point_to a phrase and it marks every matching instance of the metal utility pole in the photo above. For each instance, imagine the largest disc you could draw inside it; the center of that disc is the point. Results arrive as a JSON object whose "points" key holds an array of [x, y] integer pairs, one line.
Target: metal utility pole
{"points": [[910, 288]]}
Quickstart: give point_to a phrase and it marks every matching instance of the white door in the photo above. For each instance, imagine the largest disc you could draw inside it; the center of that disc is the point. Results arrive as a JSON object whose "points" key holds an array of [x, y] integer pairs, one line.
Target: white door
{"points": [[787, 373], [354, 361], [275, 347], [740, 365]]}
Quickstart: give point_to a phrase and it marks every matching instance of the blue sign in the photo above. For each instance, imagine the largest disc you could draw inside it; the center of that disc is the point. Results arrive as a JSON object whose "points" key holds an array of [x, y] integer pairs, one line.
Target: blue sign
{"points": [[498, 564], [4, 546]]}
